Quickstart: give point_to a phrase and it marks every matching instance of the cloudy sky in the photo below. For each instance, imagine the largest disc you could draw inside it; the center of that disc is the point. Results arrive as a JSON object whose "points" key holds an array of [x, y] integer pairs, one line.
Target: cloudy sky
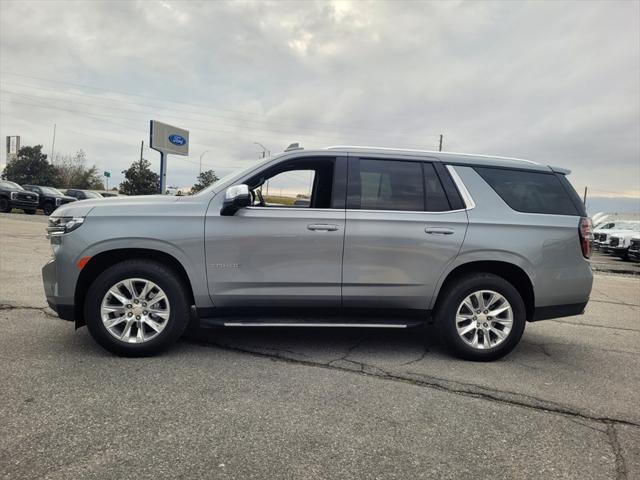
{"points": [[553, 82]]}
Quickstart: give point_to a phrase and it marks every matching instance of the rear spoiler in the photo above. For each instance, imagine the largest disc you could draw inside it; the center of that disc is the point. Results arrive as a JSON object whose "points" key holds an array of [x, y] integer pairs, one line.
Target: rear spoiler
{"points": [[563, 171]]}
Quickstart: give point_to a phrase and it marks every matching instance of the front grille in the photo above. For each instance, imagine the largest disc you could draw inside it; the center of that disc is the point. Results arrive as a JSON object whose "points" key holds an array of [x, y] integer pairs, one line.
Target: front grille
{"points": [[603, 237], [29, 197], [615, 241]]}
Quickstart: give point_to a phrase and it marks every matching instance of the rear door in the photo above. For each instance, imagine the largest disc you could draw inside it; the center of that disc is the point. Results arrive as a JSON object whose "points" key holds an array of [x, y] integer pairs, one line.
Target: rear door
{"points": [[404, 223]]}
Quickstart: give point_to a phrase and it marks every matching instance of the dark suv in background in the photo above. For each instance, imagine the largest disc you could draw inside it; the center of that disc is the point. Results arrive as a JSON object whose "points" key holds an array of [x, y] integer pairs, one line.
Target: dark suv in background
{"points": [[50, 198], [83, 194], [13, 195]]}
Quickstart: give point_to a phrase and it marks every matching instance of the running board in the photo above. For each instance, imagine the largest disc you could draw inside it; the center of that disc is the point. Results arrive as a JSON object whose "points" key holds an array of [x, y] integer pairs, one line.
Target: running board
{"points": [[300, 323], [317, 325]]}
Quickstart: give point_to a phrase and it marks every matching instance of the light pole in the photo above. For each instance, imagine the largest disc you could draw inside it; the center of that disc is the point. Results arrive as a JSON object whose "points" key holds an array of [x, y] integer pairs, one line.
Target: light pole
{"points": [[202, 155], [265, 152]]}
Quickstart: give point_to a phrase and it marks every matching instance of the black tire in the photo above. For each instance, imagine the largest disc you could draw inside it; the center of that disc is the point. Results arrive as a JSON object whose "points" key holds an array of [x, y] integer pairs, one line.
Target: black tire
{"points": [[453, 296], [5, 205], [48, 208], [30, 212], [163, 276]]}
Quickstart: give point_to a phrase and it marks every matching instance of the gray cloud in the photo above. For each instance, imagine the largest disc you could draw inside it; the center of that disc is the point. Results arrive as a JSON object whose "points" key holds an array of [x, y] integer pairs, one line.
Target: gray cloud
{"points": [[550, 81]]}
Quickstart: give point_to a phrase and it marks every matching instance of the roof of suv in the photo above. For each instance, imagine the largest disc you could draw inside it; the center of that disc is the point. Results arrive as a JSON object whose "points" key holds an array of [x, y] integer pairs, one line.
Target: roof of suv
{"points": [[451, 157]]}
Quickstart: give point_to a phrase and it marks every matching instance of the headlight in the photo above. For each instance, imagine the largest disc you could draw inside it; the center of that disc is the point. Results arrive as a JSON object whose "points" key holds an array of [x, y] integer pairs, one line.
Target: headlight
{"points": [[14, 195], [60, 225]]}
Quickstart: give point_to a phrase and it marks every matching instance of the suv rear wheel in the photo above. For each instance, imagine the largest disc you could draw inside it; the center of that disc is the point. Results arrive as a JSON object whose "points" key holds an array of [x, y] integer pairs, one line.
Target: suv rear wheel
{"points": [[481, 317], [136, 308]]}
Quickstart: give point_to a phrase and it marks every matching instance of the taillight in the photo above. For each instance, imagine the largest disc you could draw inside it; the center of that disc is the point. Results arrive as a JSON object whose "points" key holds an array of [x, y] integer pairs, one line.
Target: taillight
{"points": [[584, 232]]}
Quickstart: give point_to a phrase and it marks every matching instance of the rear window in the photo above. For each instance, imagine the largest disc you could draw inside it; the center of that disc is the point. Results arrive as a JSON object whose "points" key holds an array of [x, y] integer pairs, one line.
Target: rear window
{"points": [[530, 192]]}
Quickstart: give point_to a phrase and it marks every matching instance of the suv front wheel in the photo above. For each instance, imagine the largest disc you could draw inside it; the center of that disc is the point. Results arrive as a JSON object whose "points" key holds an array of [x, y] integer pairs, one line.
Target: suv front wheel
{"points": [[481, 317], [136, 308]]}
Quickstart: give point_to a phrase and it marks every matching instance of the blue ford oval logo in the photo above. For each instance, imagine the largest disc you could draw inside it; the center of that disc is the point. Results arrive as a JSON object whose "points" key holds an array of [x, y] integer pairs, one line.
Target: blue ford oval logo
{"points": [[177, 139]]}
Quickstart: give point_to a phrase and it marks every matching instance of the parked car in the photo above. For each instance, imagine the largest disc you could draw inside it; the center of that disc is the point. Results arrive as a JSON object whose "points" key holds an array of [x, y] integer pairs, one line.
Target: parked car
{"points": [[599, 230], [13, 196], [109, 193], [634, 248], [83, 194], [620, 242], [390, 239], [49, 198], [621, 228]]}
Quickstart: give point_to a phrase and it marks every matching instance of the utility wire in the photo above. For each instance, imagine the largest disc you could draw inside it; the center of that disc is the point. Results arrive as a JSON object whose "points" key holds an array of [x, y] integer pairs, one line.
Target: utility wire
{"points": [[209, 107]]}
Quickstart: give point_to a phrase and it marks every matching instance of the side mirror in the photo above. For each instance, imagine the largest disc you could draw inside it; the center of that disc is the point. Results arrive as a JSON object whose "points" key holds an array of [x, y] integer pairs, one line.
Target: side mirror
{"points": [[235, 198]]}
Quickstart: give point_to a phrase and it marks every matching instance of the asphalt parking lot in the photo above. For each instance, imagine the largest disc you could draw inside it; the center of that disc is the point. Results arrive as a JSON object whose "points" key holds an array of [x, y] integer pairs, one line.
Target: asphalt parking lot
{"points": [[313, 404]]}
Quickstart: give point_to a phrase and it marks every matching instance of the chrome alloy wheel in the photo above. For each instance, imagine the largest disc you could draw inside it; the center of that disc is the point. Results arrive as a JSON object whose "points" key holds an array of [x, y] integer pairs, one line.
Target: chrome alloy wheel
{"points": [[484, 319], [135, 310]]}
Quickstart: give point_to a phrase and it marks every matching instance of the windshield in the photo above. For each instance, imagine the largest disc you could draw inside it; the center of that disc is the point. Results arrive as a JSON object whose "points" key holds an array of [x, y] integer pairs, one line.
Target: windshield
{"points": [[238, 173], [89, 194], [8, 184], [51, 190]]}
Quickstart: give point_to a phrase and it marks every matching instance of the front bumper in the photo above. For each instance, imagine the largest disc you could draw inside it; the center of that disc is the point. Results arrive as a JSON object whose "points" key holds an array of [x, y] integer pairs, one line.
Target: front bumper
{"points": [[50, 283], [24, 204]]}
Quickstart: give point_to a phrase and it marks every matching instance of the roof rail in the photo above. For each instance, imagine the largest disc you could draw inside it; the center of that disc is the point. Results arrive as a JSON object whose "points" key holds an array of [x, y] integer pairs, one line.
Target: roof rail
{"points": [[434, 152]]}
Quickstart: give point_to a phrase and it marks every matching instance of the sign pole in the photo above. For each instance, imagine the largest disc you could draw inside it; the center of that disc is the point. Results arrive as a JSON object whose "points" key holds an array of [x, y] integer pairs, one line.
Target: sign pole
{"points": [[163, 172], [167, 139]]}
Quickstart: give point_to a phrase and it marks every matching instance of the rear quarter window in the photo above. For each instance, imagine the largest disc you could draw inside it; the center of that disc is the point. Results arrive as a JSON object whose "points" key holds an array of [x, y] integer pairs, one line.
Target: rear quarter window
{"points": [[530, 192]]}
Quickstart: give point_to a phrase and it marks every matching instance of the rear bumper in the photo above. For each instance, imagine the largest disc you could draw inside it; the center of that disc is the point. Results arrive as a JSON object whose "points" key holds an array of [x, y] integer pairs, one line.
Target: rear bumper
{"points": [[558, 311]]}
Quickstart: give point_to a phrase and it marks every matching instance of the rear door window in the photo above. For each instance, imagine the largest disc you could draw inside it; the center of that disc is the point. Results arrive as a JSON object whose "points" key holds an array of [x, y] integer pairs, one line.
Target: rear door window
{"points": [[530, 192], [390, 185]]}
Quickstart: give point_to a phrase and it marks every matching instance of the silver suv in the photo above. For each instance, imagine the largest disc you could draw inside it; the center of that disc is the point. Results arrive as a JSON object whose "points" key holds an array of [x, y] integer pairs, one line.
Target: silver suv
{"points": [[340, 237]]}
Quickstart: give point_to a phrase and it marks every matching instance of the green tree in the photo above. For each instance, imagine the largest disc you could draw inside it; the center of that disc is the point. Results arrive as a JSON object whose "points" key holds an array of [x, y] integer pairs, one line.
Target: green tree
{"points": [[31, 167], [74, 173], [205, 179], [139, 179]]}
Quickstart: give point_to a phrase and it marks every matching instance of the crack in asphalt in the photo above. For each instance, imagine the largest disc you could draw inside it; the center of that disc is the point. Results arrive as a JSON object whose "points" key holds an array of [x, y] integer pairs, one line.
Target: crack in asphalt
{"points": [[593, 325], [419, 359], [615, 303], [621, 465], [543, 349], [46, 310]]}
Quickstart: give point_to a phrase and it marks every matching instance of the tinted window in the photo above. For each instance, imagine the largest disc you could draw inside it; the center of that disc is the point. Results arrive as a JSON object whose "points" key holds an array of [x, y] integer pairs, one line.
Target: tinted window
{"points": [[391, 185], [530, 192], [436, 198]]}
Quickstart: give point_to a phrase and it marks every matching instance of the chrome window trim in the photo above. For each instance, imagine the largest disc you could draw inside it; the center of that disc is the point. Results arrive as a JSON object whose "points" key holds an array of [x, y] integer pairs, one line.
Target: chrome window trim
{"points": [[466, 196], [411, 212]]}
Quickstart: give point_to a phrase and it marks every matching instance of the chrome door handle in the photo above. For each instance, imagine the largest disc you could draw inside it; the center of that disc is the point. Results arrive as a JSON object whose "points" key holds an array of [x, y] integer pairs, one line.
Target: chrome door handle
{"points": [[322, 227], [439, 231]]}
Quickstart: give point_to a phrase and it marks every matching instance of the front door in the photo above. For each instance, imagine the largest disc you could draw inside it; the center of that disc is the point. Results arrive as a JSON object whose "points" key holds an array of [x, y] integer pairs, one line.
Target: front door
{"points": [[286, 249]]}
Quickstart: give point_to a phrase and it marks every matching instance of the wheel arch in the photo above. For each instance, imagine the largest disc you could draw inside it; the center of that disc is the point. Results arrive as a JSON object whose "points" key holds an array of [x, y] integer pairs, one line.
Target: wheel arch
{"points": [[105, 259], [511, 272]]}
